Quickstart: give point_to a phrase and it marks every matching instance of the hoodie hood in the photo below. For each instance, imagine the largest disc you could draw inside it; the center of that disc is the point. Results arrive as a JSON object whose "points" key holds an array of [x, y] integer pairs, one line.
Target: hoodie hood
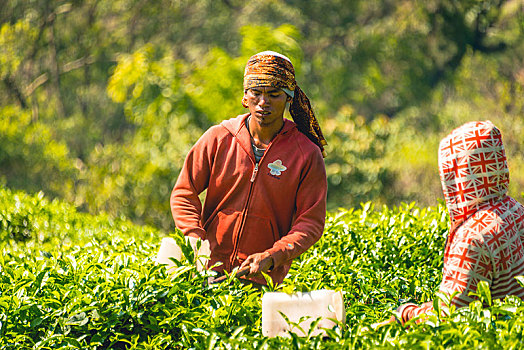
{"points": [[234, 125], [237, 127], [473, 170]]}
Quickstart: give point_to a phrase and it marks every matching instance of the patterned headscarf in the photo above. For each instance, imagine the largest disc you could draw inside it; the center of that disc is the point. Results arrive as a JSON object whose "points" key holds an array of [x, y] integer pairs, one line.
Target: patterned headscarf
{"points": [[270, 68]]}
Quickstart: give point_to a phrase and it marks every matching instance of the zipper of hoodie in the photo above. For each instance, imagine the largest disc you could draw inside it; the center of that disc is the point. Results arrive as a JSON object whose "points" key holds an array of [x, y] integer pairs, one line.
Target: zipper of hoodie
{"points": [[255, 171], [236, 239]]}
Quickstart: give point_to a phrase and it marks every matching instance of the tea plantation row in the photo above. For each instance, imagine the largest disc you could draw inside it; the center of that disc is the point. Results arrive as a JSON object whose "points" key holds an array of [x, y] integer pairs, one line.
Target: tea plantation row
{"points": [[71, 280]]}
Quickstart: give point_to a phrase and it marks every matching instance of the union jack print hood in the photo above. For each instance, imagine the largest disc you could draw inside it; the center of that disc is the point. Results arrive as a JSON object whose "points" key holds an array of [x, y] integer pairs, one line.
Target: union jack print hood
{"points": [[486, 236], [473, 170]]}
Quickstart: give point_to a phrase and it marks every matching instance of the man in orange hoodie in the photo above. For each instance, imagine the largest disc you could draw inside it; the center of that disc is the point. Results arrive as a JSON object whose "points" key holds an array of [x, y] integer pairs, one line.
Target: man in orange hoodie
{"points": [[264, 175]]}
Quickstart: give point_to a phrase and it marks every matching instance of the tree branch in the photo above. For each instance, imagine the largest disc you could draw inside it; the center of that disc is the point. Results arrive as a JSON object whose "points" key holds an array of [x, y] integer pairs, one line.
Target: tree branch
{"points": [[68, 67], [13, 88]]}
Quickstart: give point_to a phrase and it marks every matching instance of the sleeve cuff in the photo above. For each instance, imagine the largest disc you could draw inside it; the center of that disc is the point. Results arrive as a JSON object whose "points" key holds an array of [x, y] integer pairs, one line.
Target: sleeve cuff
{"points": [[403, 312], [197, 234], [277, 255]]}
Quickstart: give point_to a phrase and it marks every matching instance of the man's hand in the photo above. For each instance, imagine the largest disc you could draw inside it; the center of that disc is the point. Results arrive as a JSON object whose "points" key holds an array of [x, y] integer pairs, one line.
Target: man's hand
{"points": [[258, 262]]}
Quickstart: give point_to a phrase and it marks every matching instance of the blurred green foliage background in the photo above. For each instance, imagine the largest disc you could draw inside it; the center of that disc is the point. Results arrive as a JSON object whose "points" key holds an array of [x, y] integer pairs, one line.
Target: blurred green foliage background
{"points": [[100, 100]]}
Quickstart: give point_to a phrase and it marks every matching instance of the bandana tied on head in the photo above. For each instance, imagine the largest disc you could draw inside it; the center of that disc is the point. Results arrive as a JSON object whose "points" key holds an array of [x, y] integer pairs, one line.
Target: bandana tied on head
{"points": [[270, 68]]}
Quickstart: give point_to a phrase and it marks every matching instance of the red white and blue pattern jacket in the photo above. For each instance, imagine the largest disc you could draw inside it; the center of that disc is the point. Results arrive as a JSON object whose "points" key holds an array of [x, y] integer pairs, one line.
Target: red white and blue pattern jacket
{"points": [[487, 226]]}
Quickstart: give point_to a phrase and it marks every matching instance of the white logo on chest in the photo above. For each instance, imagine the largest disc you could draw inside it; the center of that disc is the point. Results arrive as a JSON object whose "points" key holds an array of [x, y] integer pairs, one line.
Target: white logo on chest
{"points": [[276, 167]]}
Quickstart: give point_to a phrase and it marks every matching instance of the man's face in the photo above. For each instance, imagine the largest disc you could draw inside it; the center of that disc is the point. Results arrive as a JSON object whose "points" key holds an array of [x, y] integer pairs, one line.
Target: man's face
{"points": [[266, 104]]}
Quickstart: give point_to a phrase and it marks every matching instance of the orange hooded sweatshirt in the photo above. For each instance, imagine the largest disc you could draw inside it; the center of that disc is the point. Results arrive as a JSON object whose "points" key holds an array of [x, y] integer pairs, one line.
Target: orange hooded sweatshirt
{"points": [[486, 236], [277, 206]]}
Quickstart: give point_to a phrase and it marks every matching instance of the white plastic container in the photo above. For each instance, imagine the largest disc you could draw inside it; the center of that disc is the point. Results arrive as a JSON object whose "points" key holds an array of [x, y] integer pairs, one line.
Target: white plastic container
{"points": [[170, 249], [308, 306]]}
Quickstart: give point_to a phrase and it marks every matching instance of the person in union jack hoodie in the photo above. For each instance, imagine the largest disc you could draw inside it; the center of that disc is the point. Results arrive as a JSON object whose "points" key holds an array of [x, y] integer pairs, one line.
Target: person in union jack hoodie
{"points": [[486, 235]]}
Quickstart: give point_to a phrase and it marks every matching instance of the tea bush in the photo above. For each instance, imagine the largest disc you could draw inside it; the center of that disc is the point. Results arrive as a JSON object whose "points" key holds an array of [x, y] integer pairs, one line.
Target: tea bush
{"points": [[72, 280]]}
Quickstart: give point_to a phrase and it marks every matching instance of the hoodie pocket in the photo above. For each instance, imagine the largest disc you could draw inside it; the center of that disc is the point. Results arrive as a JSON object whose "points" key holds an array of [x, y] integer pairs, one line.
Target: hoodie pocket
{"points": [[258, 235], [220, 232]]}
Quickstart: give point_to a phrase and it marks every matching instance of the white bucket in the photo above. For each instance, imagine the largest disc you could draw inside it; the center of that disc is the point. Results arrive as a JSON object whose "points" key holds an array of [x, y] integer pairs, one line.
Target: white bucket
{"points": [[308, 306], [170, 249]]}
